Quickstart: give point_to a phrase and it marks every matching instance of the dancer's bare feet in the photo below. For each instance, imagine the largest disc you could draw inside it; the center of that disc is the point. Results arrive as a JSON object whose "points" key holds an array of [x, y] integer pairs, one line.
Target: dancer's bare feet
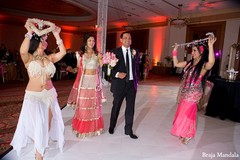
{"points": [[180, 138], [186, 140], [38, 156]]}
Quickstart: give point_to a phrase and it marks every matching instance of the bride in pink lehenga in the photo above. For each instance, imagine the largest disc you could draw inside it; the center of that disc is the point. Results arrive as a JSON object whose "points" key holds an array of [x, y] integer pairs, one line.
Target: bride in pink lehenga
{"points": [[86, 95], [191, 89]]}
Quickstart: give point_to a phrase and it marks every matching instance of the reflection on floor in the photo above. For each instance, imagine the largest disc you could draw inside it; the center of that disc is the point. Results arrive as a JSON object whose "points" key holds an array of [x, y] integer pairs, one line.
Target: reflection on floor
{"points": [[155, 109]]}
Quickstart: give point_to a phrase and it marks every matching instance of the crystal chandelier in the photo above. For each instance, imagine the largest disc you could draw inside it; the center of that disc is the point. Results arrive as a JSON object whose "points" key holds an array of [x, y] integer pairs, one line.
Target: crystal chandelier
{"points": [[179, 21]]}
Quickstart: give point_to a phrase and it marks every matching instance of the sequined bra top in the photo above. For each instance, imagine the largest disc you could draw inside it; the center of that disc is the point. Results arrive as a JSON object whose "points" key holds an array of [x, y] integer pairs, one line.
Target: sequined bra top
{"points": [[36, 70], [90, 63]]}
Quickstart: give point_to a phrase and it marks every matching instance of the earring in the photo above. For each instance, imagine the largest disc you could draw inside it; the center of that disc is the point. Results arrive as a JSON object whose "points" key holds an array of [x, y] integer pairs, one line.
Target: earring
{"points": [[85, 48]]}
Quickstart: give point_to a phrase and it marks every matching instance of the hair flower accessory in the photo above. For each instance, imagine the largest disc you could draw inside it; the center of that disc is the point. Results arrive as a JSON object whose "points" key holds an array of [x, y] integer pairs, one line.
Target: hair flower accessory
{"points": [[110, 60], [201, 49]]}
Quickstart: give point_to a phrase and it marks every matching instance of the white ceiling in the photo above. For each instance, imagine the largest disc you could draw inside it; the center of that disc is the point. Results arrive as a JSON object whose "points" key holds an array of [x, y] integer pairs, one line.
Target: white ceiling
{"points": [[81, 15], [147, 11]]}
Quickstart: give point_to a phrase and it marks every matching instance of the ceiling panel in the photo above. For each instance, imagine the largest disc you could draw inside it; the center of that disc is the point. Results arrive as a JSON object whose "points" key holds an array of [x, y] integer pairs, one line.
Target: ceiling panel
{"points": [[81, 15]]}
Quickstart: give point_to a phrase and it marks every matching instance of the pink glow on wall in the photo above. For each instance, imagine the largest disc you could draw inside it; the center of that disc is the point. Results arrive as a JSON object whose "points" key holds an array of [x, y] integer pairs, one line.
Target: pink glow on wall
{"points": [[69, 28], [157, 50], [120, 24], [157, 43], [67, 39], [156, 19]]}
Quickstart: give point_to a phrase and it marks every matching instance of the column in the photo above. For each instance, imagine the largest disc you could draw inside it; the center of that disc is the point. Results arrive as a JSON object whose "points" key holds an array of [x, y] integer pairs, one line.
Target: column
{"points": [[102, 25], [102, 30]]}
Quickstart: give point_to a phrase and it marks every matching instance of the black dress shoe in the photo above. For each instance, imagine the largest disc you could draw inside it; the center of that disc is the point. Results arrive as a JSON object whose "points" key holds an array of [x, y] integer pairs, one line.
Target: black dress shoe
{"points": [[111, 130], [133, 136]]}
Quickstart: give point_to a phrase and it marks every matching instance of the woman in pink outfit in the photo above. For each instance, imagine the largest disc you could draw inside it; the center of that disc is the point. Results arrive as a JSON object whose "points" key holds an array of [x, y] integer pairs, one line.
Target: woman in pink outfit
{"points": [[191, 89], [86, 95]]}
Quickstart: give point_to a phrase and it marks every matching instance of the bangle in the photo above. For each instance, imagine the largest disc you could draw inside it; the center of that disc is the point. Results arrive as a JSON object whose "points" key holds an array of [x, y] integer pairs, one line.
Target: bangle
{"points": [[174, 53], [28, 35], [75, 70], [59, 42]]}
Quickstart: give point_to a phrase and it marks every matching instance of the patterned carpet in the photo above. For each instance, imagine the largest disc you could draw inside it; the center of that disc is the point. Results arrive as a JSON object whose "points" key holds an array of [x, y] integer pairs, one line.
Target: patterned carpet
{"points": [[11, 98]]}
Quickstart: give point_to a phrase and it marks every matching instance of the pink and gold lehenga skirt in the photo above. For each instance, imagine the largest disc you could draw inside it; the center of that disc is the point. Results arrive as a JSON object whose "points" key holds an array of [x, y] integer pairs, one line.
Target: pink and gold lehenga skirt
{"points": [[184, 124], [88, 120]]}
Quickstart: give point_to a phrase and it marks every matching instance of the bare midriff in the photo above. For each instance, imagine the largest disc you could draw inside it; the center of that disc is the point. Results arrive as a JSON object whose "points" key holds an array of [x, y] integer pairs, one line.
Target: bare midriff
{"points": [[36, 84], [90, 71]]}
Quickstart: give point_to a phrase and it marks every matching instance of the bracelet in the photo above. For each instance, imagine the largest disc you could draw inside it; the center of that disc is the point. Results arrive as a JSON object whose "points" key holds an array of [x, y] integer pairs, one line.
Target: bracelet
{"points": [[59, 42], [28, 35], [75, 70], [174, 53]]}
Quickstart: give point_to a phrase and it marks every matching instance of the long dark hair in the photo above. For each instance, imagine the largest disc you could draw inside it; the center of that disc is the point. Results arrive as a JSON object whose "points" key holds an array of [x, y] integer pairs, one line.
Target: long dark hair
{"points": [[83, 48], [197, 70], [34, 43]]}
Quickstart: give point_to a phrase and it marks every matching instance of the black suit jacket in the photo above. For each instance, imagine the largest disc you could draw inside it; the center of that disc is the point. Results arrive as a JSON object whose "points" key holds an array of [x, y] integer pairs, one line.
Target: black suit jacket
{"points": [[117, 84], [71, 60]]}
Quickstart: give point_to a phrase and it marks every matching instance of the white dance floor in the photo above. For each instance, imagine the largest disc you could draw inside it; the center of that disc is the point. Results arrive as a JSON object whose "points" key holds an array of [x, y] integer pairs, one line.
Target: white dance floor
{"points": [[155, 108]]}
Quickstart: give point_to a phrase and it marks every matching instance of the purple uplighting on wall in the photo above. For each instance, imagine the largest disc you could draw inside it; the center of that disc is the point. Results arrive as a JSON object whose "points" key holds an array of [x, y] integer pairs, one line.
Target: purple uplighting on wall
{"points": [[218, 54]]}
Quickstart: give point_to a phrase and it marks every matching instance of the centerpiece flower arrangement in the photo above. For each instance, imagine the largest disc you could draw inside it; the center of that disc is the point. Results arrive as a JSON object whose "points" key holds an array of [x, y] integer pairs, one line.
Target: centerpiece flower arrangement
{"points": [[110, 60]]}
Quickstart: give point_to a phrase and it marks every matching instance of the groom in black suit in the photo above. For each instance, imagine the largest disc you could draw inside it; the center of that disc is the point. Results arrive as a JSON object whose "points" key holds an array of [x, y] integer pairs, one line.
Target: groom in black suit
{"points": [[124, 84]]}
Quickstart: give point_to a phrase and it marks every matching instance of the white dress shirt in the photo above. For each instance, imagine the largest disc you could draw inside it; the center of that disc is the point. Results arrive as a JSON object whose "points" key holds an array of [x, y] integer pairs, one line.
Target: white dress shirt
{"points": [[130, 60]]}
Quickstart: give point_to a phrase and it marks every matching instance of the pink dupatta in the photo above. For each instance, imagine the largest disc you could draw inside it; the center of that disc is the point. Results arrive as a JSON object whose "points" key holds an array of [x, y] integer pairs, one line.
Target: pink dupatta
{"points": [[73, 96]]}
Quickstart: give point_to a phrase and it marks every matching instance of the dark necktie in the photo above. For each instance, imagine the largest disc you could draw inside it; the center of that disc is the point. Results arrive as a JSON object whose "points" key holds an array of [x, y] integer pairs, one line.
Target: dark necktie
{"points": [[127, 66]]}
